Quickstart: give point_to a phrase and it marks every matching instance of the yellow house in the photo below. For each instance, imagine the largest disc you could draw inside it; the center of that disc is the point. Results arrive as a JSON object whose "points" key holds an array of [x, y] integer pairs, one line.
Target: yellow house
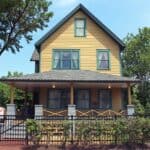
{"points": [[77, 68]]}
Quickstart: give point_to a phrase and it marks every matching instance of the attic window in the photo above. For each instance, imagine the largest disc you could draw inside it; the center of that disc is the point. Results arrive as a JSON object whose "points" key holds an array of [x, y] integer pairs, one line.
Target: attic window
{"points": [[80, 27]]}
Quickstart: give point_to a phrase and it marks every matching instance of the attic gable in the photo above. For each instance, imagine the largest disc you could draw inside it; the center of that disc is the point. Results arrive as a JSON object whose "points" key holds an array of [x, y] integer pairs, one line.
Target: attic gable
{"points": [[80, 7]]}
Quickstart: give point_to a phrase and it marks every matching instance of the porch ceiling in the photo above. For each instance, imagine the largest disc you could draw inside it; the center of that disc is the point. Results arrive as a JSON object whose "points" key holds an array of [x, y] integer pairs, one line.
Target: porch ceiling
{"points": [[63, 78]]}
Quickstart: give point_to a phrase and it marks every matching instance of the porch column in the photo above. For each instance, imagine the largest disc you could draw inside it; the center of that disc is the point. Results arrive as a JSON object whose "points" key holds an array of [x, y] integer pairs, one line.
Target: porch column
{"points": [[71, 106], [11, 108], [130, 107], [129, 94], [72, 95]]}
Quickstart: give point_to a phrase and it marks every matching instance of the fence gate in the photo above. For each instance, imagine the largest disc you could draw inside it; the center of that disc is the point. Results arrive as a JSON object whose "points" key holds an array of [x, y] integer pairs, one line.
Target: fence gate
{"points": [[12, 130]]}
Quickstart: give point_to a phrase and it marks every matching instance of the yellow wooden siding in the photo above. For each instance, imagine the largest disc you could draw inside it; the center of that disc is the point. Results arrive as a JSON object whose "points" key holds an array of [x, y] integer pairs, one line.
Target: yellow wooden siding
{"points": [[116, 99], [95, 38]]}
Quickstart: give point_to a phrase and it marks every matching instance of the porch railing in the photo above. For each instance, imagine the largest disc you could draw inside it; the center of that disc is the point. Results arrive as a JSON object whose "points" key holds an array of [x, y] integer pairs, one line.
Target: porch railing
{"points": [[50, 112], [89, 112]]}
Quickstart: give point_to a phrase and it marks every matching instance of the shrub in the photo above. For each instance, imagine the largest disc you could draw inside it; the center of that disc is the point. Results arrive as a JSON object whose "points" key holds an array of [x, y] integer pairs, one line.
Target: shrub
{"points": [[119, 128], [84, 131], [147, 108], [145, 129], [34, 130], [134, 130], [67, 125]]}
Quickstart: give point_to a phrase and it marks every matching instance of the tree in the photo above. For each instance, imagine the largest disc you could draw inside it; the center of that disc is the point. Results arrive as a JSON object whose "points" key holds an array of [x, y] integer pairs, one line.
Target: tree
{"points": [[136, 56], [136, 63], [18, 19], [19, 95]]}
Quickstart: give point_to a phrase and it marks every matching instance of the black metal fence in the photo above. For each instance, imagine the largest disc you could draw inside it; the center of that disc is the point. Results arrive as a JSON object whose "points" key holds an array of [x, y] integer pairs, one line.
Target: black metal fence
{"points": [[12, 129], [66, 130]]}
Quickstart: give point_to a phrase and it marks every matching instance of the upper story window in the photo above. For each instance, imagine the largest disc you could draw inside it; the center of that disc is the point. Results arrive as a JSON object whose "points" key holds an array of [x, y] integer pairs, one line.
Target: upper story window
{"points": [[80, 27], [66, 59], [103, 59]]}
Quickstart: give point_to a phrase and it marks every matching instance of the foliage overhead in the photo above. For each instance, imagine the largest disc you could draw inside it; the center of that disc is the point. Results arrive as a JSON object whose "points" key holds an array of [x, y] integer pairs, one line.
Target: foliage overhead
{"points": [[136, 56], [18, 19]]}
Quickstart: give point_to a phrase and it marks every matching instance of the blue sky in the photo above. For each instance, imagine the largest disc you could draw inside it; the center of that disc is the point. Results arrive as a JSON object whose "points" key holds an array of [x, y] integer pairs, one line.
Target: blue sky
{"points": [[121, 16]]}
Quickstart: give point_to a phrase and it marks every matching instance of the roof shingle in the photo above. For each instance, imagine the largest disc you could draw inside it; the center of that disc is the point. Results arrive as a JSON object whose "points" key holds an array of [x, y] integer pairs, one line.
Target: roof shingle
{"points": [[71, 75]]}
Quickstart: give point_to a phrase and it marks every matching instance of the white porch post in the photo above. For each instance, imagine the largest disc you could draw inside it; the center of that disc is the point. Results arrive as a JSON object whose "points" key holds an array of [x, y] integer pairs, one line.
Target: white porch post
{"points": [[130, 107], [38, 111], [71, 106]]}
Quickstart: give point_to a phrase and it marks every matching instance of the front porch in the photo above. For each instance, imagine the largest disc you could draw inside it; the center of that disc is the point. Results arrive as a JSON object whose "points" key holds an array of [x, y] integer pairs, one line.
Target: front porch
{"points": [[88, 99], [88, 92]]}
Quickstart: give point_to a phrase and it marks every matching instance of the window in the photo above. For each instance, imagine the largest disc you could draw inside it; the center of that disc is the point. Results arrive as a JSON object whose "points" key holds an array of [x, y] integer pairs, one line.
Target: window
{"points": [[124, 97], [80, 27], [104, 98], [66, 59], [103, 59], [58, 98], [82, 99]]}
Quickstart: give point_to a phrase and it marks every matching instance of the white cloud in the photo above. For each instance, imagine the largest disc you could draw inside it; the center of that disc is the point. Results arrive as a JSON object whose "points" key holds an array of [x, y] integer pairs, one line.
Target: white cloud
{"points": [[65, 3]]}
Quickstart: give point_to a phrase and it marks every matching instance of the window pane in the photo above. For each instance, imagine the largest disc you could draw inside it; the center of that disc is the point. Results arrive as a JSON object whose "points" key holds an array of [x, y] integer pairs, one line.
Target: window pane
{"points": [[103, 55], [56, 60], [80, 23], [83, 99], [65, 97], [103, 60], [66, 55], [75, 60], [79, 32], [54, 99], [56, 64], [104, 64], [75, 55], [66, 60], [124, 97], [75, 64], [58, 98], [66, 64], [104, 99]]}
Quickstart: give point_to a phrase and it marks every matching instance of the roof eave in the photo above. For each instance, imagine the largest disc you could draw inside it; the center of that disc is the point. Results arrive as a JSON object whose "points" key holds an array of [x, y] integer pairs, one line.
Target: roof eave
{"points": [[94, 81]]}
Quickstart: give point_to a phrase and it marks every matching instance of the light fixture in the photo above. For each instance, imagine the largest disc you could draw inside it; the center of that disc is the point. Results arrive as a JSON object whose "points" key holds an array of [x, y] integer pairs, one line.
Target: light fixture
{"points": [[109, 86], [53, 86]]}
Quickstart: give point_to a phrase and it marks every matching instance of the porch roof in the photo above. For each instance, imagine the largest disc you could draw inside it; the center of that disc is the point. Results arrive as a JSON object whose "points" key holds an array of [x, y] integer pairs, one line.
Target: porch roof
{"points": [[70, 76]]}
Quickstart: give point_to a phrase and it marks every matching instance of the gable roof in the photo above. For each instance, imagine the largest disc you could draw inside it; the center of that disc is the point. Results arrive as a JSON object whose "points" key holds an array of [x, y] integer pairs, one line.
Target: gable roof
{"points": [[91, 16]]}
